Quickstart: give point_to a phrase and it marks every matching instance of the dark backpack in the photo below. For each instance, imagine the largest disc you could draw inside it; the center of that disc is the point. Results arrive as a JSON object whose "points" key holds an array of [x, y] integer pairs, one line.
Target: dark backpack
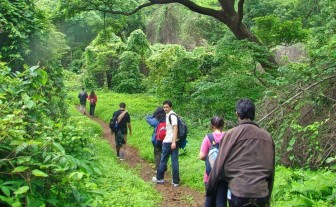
{"points": [[212, 154], [114, 123], [160, 133], [82, 96], [182, 130]]}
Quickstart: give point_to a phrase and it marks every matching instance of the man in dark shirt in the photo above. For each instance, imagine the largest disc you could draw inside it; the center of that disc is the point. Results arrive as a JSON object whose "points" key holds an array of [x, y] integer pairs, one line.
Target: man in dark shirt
{"points": [[82, 101], [124, 122], [245, 161]]}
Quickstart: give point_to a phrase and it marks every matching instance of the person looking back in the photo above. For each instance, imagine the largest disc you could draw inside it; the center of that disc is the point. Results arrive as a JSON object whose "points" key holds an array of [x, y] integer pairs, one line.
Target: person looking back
{"points": [[170, 147], [246, 161]]}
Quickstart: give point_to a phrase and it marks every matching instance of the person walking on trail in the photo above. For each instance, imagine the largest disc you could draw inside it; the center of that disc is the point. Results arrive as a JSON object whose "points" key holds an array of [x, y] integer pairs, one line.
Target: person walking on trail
{"points": [[212, 140], [124, 121], [93, 101], [169, 147], [159, 116], [245, 161], [82, 101]]}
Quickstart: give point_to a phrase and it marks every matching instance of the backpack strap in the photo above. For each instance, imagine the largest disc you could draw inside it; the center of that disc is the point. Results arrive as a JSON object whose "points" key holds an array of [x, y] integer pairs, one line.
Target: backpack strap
{"points": [[169, 118], [121, 116], [211, 138]]}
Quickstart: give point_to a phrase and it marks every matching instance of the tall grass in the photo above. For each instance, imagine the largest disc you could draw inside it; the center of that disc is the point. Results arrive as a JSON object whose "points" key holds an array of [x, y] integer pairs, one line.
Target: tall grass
{"points": [[292, 187], [117, 185]]}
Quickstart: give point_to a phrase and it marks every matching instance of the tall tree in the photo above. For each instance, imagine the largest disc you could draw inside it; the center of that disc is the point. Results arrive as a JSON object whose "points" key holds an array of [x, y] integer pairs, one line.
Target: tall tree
{"points": [[225, 12]]}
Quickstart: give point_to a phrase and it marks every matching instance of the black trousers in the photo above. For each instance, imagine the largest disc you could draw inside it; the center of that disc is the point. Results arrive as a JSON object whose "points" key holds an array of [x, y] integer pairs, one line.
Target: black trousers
{"points": [[248, 202], [220, 199], [92, 109]]}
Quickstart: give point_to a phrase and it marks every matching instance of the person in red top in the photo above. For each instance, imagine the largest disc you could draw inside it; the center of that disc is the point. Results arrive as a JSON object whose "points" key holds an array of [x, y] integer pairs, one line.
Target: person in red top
{"points": [[93, 100]]}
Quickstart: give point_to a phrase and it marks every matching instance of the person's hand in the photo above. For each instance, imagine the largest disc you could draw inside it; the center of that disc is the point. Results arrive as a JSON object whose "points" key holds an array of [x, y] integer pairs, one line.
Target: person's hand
{"points": [[173, 145]]}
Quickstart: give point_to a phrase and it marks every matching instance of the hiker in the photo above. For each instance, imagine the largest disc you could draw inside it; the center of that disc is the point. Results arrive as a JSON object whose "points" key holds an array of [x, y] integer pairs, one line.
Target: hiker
{"points": [[245, 161], [82, 101], [170, 147], [92, 100], [210, 141], [124, 121], [159, 116]]}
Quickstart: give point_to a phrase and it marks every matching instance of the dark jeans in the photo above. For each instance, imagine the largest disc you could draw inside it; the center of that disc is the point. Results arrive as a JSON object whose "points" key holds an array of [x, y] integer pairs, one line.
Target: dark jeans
{"points": [[248, 202], [218, 200], [157, 156], [92, 109], [166, 153]]}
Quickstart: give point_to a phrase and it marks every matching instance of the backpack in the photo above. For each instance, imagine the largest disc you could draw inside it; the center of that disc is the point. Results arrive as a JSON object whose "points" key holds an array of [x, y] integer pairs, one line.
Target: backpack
{"points": [[212, 154], [114, 124], [182, 130], [82, 96], [115, 120], [160, 133], [92, 101]]}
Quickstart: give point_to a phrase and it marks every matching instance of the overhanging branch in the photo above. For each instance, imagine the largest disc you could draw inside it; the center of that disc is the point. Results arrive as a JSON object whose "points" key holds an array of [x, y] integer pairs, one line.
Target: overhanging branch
{"points": [[296, 95]]}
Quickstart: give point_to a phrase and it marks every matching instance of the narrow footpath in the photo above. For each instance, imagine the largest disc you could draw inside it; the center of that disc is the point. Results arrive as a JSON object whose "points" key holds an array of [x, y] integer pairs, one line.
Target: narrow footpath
{"points": [[181, 196]]}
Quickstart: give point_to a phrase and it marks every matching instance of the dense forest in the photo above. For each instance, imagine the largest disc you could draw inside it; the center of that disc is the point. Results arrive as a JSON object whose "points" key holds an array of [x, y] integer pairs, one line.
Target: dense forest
{"points": [[203, 55]]}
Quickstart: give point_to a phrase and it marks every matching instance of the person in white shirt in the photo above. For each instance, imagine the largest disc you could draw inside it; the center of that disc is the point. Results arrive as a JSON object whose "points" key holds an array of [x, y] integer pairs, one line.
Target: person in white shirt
{"points": [[169, 147]]}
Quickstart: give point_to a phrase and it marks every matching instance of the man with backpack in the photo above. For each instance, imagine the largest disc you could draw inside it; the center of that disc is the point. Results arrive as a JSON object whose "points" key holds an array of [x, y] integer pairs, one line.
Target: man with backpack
{"points": [[209, 153], [82, 101], [120, 121], [170, 147], [246, 161]]}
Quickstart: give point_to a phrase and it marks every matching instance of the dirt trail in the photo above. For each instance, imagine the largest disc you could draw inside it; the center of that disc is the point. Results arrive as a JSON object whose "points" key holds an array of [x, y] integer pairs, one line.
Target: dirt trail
{"points": [[181, 196]]}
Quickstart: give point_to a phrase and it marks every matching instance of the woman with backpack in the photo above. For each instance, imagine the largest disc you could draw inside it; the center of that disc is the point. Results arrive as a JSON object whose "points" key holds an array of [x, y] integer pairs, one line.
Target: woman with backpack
{"points": [[92, 100], [208, 153], [158, 121]]}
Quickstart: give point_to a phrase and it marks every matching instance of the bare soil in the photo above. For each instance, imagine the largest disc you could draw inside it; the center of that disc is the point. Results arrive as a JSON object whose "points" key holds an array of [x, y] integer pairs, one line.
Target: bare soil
{"points": [[181, 196]]}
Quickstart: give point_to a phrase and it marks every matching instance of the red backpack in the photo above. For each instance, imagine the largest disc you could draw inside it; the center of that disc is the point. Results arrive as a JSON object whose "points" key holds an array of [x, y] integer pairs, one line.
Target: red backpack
{"points": [[160, 131]]}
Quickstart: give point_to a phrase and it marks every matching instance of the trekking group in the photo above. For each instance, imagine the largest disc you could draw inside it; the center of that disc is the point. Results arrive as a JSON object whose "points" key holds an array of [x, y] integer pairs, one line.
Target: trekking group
{"points": [[83, 98], [239, 163]]}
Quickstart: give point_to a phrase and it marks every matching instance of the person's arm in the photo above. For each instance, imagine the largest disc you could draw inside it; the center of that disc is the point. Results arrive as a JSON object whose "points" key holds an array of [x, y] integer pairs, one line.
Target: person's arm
{"points": [[129, 128], [173, 146], [204, 148], [152, 121], [271, 179]]}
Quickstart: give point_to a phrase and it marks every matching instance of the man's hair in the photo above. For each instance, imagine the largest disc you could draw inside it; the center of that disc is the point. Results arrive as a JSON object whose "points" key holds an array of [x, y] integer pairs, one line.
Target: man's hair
{"points": [[168, 102], [122, 105], [83, 88], [245, 109]]}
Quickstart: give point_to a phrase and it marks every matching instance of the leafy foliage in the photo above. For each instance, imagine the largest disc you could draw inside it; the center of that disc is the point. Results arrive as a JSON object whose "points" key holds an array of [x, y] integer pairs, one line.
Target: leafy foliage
{"points": [[18, 22], [128, 78], [44, 156], [272, 31]]}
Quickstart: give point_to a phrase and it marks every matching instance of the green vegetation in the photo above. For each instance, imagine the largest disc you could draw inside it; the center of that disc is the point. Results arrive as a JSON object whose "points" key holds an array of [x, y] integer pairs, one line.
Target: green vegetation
{"points": [[52, 156]]}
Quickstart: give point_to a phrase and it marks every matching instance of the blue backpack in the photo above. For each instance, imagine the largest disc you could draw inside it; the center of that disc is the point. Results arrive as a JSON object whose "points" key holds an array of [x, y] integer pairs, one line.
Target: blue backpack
{"points": [[212, 154]]}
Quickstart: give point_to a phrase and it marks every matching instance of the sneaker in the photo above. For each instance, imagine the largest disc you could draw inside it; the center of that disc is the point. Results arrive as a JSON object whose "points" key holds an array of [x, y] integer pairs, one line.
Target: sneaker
{"points": [[174, 184], [121, 158], [155, 180]]}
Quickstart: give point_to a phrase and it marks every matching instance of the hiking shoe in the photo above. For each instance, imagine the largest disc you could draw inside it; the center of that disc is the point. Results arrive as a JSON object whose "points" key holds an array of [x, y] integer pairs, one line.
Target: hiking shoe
{"points": [[155, 180], [174, 184]]}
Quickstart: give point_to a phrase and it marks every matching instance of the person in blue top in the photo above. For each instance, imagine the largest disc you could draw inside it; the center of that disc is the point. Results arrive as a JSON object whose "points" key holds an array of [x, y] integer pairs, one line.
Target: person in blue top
{"points": [[158, 116]]}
